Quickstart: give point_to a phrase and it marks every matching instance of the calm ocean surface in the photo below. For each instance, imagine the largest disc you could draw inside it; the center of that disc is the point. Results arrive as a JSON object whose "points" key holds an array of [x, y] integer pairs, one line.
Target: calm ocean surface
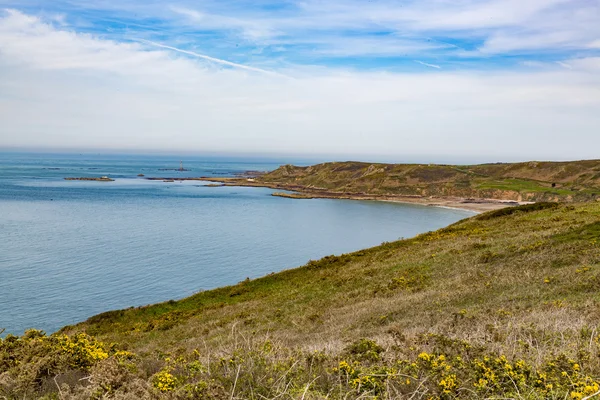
{"points": [[72, 249]]}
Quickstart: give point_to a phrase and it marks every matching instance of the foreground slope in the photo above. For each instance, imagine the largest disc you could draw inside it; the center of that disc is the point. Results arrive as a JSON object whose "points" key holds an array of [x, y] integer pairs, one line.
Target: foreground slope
{"points": [[502, 305], [528, 181]]}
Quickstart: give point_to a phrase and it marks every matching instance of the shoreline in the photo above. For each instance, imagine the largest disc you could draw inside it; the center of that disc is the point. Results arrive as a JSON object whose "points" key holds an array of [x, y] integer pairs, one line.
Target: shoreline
{"points": [[300, 192], [474, 205]]}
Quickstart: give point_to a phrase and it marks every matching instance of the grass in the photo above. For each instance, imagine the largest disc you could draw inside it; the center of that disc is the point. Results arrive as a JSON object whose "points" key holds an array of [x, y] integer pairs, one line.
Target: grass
{"points": [[521, 185], [517, 210], [587, 232], [530, 186], [502, 305], [532, 181]]}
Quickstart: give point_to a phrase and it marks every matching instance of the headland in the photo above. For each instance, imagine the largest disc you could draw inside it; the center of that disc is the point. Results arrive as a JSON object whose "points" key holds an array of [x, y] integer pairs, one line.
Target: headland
{"points": [[477, 188]]}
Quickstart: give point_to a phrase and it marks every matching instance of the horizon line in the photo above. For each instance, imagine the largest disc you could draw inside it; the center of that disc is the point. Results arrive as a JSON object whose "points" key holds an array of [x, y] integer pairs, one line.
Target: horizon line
{"points": [[273, 155]]}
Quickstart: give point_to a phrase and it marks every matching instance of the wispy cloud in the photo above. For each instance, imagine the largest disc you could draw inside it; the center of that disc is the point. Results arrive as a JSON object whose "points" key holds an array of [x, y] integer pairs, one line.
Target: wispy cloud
{"points": [[64, 87], [564, 64], [376, 34]]}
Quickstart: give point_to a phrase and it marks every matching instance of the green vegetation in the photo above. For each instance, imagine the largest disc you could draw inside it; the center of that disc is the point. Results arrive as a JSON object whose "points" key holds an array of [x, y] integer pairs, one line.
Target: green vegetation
{"points": [[517, 210], [502, 305], [524, 186], [531, 181]]}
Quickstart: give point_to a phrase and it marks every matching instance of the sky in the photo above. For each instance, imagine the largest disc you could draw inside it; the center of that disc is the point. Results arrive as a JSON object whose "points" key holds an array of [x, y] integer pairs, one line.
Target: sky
{"points": [[492, 80]]}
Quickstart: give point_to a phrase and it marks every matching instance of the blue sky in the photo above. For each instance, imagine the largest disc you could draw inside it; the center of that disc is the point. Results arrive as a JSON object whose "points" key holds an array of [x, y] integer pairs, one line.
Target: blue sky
{"points": [[379, 35], [340, 77]]}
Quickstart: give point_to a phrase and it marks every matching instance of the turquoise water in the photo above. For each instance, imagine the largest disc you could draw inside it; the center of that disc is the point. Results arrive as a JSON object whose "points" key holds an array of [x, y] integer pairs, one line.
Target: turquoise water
{"points": [[72, 249]]}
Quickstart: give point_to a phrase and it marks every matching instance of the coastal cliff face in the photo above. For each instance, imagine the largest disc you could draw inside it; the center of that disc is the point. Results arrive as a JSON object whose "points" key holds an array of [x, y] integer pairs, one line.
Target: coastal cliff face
{"points": [[530, 181]]}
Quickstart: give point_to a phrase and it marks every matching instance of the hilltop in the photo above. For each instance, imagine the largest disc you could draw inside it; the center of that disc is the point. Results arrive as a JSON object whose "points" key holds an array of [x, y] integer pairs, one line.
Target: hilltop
{"points": [[479, 188], [501, 305], [528, 181]]}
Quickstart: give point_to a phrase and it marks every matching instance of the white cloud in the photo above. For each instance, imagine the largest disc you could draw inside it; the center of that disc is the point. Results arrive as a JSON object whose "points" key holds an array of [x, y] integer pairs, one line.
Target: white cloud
{"points": [[251, 29], [501, 26], [65, 89], [564, 64], [589, 64]]}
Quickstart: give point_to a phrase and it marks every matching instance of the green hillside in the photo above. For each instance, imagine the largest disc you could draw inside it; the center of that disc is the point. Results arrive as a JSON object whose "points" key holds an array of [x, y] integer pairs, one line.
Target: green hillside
{"points": [[529, 181], [501, 305]]}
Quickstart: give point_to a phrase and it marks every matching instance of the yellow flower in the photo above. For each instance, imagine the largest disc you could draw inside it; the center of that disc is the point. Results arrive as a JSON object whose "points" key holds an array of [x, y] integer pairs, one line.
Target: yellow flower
{"points": [[448, 383], [164, 381]]}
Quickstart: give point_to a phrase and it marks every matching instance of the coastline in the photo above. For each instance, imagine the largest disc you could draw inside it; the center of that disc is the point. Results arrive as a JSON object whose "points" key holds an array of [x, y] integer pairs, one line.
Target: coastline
{"points": [[475, 205], [300, 192]]}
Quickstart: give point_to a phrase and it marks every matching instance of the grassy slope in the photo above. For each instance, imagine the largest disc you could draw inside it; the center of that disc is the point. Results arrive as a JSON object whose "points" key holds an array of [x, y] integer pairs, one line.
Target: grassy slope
{"points": [[574, 181], [478, 264], [521, 282]]}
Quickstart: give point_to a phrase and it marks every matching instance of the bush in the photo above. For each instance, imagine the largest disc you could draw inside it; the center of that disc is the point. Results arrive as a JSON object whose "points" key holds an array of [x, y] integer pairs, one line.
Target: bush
{"points": [[364, 350]]}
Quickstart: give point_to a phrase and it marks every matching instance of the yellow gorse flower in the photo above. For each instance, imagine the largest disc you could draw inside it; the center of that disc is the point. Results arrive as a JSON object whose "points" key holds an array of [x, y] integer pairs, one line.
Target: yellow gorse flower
{"points": [[164, 381], [83, 350]]}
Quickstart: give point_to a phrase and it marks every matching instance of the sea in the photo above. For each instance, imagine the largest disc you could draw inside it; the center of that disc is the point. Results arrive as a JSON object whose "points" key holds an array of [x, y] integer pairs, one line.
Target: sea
{"points": [[73, 249]]}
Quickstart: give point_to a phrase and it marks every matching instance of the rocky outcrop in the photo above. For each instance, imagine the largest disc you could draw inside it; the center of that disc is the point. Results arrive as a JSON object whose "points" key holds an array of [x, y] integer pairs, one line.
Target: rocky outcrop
{"points": [[85, 178]]}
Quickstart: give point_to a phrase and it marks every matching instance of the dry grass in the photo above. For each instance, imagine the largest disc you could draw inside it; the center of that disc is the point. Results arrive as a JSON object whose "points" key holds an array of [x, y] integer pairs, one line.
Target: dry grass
{"points": [[523, 285], [530, 181]]}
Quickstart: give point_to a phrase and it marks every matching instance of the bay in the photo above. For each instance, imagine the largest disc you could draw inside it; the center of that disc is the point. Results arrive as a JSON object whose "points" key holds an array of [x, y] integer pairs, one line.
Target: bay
{"points": [[72, 249]]}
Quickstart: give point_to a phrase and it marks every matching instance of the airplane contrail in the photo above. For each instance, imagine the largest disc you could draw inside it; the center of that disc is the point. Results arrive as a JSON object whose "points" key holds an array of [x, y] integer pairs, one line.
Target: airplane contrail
{"points": [[428, 65], [209, 58]]}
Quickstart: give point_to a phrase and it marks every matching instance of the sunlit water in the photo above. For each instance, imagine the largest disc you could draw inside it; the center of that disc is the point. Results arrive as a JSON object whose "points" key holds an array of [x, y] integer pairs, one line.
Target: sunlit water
{"points": [[72, 249]]}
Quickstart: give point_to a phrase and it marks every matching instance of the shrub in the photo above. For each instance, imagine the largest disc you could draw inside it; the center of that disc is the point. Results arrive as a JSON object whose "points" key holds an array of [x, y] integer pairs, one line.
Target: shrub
{"points": [[365, 350]]}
